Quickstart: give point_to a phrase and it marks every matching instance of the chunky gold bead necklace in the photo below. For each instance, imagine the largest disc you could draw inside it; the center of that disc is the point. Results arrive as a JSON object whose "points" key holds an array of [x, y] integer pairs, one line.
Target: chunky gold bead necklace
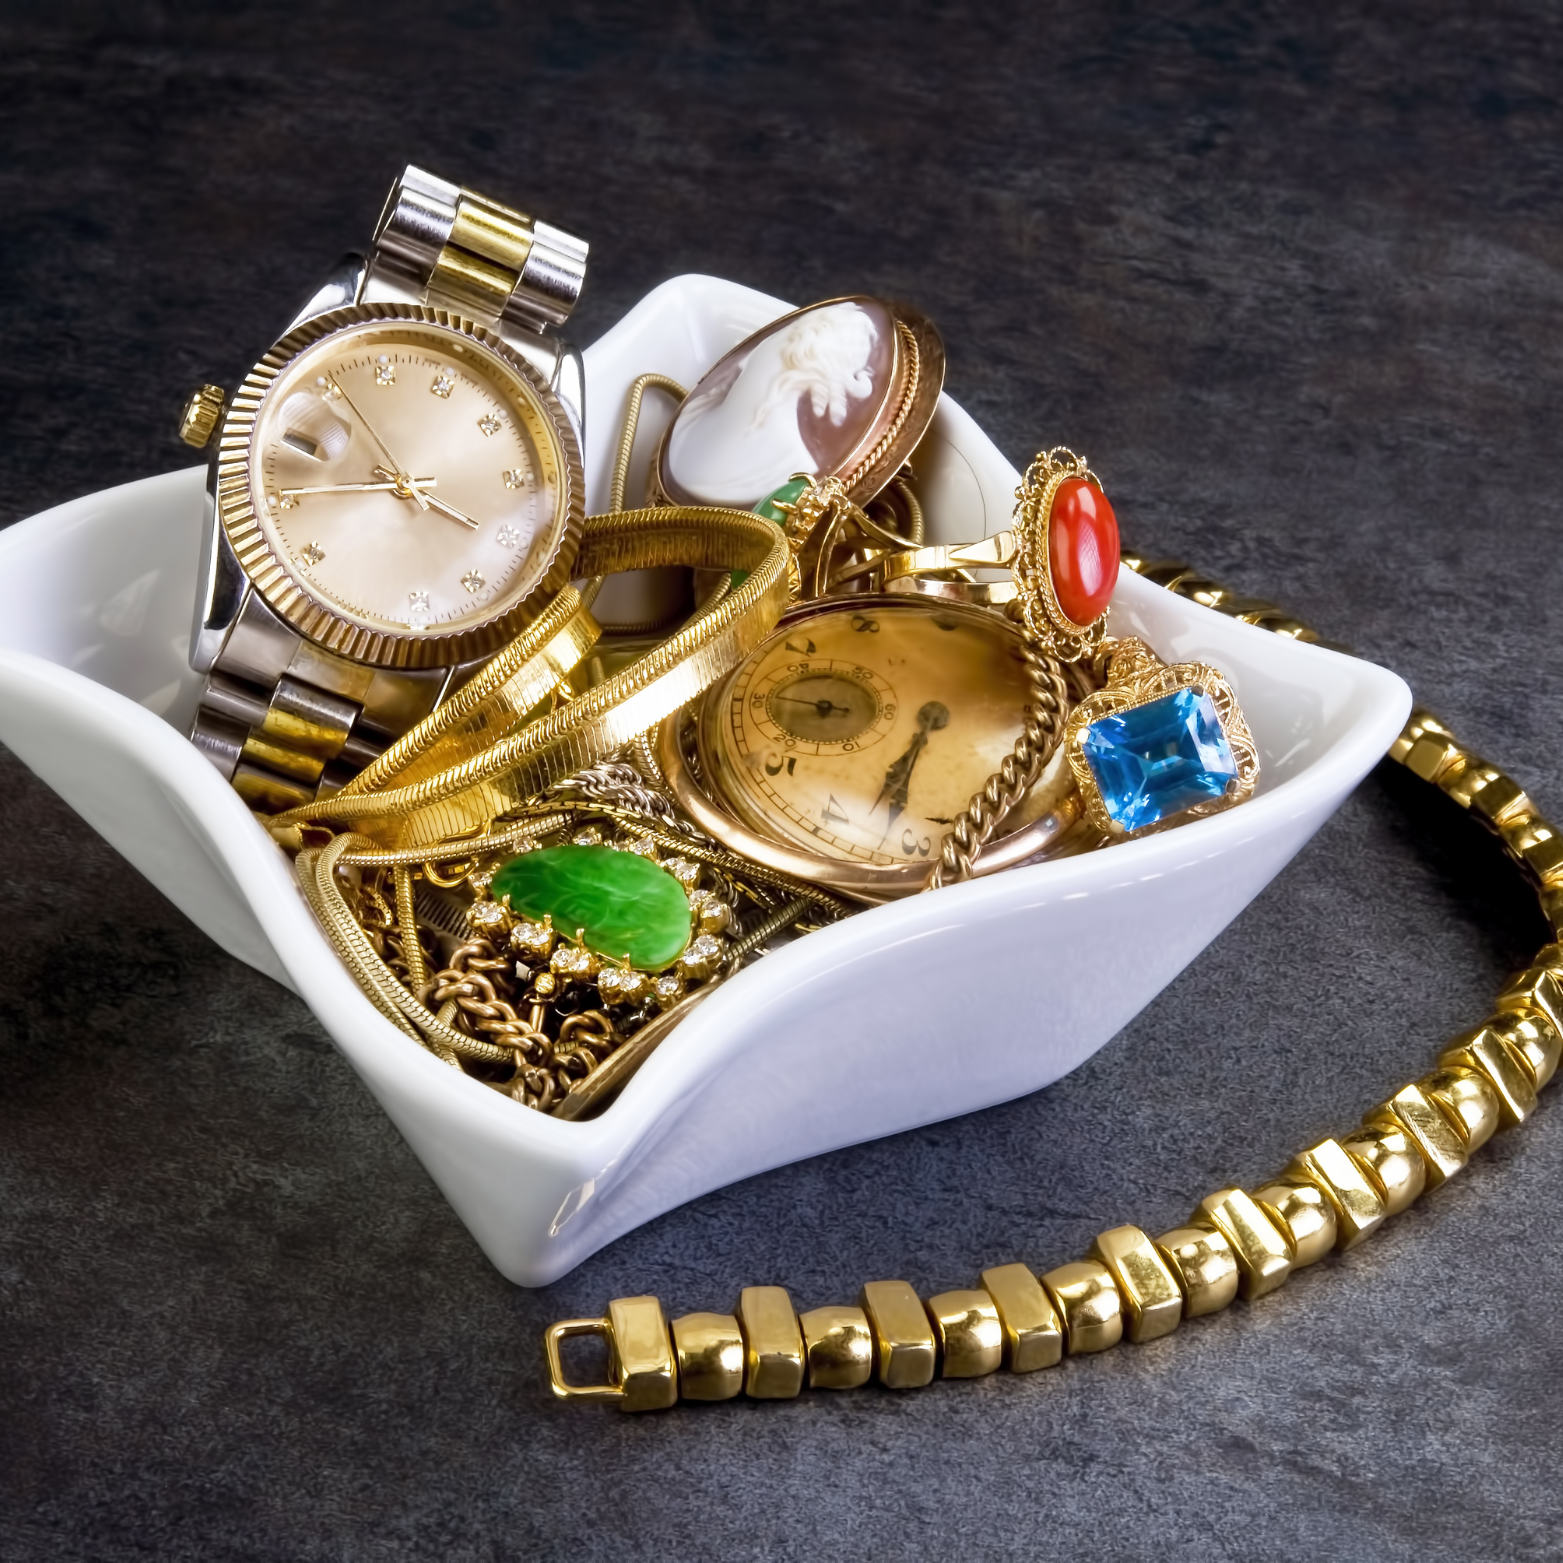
{"points": [[1130, 1285]]}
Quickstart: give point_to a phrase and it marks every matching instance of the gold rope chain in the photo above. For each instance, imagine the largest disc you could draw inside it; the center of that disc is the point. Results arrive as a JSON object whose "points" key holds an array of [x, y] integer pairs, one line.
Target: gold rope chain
{"points": [[1330, 1196]]}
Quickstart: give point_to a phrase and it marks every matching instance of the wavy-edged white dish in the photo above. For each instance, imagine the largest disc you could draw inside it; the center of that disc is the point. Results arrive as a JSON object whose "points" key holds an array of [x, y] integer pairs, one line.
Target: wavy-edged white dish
{"points": [[840, 1037]]}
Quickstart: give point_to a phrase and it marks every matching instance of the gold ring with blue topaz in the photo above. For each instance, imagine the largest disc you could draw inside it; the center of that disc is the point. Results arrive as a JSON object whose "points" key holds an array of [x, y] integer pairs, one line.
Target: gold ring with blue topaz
{"points": [[1158, 744]]}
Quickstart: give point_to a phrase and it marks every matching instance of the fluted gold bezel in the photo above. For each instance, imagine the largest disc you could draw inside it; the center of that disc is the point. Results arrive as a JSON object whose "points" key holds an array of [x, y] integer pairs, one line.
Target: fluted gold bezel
{"points": [[292, 598]]}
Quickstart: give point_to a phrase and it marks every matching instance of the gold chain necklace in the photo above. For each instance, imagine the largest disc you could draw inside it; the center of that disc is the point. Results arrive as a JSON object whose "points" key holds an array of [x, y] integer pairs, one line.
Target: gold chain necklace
{"points": [[1330, 1196]]}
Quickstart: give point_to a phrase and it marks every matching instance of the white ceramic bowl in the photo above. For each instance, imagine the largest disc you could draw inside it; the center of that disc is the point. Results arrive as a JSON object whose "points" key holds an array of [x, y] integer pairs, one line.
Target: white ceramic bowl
{"points": [[838, 1038]]}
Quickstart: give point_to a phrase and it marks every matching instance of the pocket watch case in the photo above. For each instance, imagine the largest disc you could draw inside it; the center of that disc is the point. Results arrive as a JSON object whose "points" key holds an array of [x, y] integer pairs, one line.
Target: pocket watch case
{"points": [[837, 1038]]}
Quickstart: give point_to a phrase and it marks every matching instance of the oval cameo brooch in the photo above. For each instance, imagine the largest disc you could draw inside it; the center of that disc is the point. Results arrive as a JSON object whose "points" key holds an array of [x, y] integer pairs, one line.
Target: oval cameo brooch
{"points": [[843, 389]]}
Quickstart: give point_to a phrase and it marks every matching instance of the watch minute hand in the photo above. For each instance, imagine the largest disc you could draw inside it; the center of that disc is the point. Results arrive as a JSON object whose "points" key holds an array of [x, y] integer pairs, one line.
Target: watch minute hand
{"points": [[898, 778], [385, 450]]}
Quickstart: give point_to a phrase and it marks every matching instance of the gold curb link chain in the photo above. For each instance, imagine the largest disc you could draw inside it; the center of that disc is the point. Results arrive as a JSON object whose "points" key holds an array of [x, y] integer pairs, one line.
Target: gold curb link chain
{"points": [[1130, 1285]]}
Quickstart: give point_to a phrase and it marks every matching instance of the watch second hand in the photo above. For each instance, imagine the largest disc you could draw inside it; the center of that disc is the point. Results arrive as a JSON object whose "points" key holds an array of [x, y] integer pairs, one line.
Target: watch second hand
{"points": [[403, 486], [822, 707], [385, 450]]}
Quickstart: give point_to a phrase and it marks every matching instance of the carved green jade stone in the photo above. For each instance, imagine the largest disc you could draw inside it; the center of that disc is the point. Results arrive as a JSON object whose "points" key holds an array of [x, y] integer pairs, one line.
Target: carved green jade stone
{"points": [[624, 904], [768, 507], [787, 494]]}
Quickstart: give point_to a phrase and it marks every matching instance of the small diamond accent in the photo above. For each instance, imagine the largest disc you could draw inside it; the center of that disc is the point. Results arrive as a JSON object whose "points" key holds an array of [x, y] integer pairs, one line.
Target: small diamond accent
{"points": [[289, 502], [473, 581], [488, 423], [384, 372], [418, 601], [312, 554], [507, 537], [514, 478], [444, 383]]}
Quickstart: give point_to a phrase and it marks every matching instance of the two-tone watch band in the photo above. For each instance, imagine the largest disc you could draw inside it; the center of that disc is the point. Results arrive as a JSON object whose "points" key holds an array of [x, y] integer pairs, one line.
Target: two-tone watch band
{"points": [[283, 719], [440, 245], [287, 722]]}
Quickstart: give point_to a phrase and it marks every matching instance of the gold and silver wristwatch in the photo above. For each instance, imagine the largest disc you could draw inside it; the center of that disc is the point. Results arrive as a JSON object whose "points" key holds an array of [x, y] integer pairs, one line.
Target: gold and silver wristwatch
{"points": [[395, 491]]}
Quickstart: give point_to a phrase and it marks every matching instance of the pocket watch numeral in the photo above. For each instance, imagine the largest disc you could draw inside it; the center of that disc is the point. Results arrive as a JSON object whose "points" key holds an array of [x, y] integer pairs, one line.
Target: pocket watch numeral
{"points": [[831, 812], [865, 625], [913, 847], [488, 423]]}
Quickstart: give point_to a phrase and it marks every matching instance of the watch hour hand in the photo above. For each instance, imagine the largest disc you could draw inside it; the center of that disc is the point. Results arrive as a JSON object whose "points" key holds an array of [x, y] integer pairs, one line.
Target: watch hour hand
{"points": [[451, 511], [353, 488]]}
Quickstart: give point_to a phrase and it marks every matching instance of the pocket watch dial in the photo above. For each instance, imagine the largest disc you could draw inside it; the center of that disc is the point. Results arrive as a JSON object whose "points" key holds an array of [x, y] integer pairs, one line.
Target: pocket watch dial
{"points": [[407, 477], [861, 731]]}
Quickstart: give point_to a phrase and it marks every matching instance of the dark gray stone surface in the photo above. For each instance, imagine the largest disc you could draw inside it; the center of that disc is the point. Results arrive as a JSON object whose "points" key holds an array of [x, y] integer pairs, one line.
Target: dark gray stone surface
{"points": [[1294, 278]]}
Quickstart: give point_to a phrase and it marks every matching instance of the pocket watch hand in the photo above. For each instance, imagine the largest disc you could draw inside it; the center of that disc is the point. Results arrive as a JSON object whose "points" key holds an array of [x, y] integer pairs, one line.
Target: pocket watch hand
{"points": [[354, 488], [822, 707], [411, 488], [397, 470], [898, 778]]}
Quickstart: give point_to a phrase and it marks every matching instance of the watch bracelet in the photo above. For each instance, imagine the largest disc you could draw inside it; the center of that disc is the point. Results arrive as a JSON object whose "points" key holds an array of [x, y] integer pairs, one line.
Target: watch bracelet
{"points": [[1329, 1197]]}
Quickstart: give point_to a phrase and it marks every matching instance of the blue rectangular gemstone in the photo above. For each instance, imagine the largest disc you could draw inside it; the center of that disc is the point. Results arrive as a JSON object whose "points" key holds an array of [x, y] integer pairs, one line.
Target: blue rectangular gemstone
{"points": [[1155, 760]]}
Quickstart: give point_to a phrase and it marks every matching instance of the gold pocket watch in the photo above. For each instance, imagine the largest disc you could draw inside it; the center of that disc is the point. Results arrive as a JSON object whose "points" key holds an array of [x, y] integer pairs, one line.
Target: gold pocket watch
{"points": [[847, 743]]}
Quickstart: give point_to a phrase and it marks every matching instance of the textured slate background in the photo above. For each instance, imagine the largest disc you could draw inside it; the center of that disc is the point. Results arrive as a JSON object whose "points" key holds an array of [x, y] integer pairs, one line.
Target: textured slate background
{"points": [[1292, 278]]}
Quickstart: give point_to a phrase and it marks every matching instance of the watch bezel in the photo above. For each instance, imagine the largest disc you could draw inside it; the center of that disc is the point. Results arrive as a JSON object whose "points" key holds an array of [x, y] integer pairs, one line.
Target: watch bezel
{"points": [[291, 598]]}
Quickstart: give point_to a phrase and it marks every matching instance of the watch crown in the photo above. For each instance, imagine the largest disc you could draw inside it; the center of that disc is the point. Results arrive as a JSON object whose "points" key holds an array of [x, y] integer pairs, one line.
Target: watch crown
{"points": [[200, 415]]}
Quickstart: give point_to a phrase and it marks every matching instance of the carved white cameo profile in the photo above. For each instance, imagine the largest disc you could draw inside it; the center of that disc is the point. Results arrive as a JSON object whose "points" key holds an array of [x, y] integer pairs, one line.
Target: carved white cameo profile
{"points": [[844, 388]]}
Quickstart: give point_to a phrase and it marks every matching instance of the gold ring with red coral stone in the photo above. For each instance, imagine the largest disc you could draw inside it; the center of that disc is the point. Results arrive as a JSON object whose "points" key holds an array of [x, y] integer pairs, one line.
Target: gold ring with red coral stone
{"points": [[1158, 744]]}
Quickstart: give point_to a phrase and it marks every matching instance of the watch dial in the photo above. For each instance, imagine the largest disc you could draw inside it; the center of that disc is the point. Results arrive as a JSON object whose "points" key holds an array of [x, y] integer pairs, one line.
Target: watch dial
{"points": [[408, 477], [862, 731]]}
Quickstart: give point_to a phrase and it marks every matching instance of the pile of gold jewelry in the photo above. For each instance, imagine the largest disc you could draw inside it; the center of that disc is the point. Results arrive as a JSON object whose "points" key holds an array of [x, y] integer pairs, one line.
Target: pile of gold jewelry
{"points": [[718, 757]]}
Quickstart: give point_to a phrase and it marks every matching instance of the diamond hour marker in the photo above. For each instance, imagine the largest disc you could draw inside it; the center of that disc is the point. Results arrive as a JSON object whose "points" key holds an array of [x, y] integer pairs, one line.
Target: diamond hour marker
{"points": [[444, 383], [507, 537], [312, 554], [384, 371], [473, 581], [418, 601], [488, 423], [514, 478]]}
